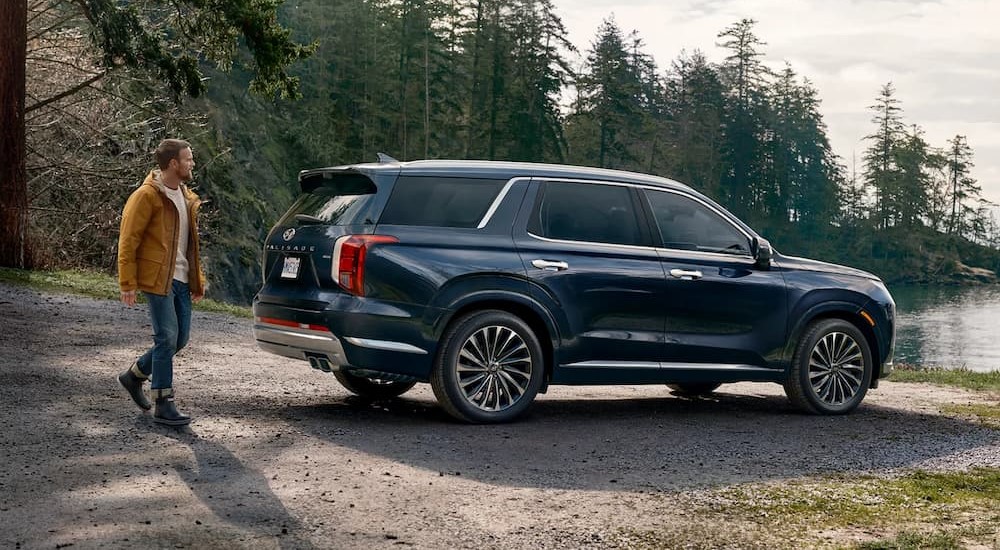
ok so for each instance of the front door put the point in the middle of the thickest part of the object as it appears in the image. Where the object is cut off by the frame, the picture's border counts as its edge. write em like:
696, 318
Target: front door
722, 312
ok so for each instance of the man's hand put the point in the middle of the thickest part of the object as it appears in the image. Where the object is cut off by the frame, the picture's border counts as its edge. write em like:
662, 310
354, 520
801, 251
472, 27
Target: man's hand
197, 297
128, 298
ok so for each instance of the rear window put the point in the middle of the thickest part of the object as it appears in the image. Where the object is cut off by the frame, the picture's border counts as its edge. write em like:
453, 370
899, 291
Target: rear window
440, 202
338, 200
587, 212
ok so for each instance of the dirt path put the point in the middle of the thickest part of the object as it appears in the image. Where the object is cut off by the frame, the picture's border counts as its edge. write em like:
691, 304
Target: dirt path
280, 456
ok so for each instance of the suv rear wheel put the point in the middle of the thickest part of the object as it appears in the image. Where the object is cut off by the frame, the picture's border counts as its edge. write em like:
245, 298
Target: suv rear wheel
373, 388
831, 370
489, 367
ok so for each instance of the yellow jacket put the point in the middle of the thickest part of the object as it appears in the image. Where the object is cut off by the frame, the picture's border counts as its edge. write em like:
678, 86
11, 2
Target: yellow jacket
147, 243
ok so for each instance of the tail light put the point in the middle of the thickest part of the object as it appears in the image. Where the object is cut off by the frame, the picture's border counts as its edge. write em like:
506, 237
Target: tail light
349, 260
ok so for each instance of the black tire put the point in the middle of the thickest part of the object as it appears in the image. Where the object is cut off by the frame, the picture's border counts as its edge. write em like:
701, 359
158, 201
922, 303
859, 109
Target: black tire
498, 375
372, 388
694, 388
831, 369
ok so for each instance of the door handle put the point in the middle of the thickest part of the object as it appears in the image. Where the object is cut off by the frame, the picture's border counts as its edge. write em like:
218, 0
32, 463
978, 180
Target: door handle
549, 265
685, 275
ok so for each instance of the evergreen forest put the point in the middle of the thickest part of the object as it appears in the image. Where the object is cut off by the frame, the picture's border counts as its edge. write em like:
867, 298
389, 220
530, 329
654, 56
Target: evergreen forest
338, 81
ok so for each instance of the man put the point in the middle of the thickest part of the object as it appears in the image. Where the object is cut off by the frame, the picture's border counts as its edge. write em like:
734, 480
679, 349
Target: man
158, 254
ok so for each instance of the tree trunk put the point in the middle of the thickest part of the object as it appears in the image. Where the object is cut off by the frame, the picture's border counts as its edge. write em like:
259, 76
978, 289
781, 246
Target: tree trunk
14, 250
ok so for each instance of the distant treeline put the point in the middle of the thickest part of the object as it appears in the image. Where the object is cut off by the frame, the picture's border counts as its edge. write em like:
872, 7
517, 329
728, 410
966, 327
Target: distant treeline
494, 79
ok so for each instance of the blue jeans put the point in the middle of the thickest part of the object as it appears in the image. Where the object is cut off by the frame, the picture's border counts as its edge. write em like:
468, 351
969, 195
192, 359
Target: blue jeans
171, 317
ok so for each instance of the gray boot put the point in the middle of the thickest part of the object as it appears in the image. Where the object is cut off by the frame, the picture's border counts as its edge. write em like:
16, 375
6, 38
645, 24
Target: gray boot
166, 412
132, 380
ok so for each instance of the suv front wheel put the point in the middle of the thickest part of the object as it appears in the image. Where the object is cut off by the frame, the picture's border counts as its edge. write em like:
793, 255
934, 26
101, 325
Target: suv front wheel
489, 368
831, 370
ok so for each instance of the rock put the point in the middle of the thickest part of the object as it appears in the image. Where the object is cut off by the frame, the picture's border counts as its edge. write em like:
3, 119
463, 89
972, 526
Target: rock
971, 274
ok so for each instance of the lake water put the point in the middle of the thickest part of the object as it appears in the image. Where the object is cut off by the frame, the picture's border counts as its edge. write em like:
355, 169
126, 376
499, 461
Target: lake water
948, 326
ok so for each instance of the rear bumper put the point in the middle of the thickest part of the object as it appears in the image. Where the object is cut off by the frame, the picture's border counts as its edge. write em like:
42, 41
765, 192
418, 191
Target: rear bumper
299, 343
350, 333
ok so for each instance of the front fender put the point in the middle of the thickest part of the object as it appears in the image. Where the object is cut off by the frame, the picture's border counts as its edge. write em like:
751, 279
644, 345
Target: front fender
807, 314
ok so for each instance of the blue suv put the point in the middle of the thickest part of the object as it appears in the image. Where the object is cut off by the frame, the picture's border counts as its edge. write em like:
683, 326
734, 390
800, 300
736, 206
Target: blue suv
493, 280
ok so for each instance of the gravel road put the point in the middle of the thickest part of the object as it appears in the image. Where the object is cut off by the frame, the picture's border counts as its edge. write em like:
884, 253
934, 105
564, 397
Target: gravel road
280, 456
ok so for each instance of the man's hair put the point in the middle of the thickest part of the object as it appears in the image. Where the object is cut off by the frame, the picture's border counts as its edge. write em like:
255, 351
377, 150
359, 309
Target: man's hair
168, 150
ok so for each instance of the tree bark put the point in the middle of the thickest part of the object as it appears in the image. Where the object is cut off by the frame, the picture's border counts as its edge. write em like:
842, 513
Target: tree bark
14, 249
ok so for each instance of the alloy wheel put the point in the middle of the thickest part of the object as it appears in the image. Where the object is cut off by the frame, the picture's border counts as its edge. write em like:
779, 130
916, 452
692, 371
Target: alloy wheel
836, 368
494, 368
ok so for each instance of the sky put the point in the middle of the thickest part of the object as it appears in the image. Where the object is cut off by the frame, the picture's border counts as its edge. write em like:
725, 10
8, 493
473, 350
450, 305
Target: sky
942, 57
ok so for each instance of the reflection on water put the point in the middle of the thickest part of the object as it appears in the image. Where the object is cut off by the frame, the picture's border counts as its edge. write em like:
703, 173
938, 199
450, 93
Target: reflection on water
948, 326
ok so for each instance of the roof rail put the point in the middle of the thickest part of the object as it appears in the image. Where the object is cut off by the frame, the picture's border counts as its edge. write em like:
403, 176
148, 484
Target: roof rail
386, 159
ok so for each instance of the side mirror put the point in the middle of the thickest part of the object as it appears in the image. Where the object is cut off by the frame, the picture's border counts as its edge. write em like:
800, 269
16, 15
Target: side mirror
762, 253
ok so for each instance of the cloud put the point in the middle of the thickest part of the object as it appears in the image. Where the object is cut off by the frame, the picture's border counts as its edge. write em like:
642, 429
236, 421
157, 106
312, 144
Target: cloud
943, 57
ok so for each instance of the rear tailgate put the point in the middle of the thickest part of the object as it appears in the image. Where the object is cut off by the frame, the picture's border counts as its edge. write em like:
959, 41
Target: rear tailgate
298, 252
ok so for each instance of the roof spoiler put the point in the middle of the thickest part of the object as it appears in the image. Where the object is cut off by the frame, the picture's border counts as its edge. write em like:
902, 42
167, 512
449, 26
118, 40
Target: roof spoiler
309, 180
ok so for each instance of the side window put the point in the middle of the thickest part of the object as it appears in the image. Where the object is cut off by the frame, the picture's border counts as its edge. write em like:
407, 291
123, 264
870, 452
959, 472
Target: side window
586, 212
440, 202
687, 224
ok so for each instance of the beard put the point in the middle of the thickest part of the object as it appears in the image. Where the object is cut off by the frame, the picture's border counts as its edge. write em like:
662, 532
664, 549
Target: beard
186, 176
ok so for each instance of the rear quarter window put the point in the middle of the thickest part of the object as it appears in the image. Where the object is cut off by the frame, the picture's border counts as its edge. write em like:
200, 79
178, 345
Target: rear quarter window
440, 202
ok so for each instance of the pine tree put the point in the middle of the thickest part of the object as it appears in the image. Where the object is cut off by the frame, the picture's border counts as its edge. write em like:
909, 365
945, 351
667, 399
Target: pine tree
961, 186
746, 181
694, 112
881, 174
14, 245
805, 169
612, 109
915, 162
539, 73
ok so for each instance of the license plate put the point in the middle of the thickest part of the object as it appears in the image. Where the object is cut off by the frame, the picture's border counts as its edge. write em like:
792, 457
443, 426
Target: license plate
291, 268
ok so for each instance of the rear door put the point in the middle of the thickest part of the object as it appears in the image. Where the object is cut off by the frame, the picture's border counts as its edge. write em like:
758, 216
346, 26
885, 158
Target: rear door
588, 257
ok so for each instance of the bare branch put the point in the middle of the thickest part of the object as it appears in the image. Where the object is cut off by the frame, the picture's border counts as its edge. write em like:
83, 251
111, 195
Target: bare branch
68, 92
59, 210
50, 28
36, 14
50, 60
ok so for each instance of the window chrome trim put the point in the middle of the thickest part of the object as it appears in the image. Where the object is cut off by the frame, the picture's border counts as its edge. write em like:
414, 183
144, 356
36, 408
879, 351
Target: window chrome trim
496, 202
594, 243
385, 345
711, 255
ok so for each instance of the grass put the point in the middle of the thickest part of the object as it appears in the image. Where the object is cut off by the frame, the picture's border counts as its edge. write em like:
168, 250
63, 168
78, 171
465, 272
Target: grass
915, 541
986, 413
958, 505
861, 500
962, 378
917, 510
97, 285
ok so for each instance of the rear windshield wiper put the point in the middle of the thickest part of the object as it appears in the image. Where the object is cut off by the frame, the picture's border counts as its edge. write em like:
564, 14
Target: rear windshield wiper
307, 219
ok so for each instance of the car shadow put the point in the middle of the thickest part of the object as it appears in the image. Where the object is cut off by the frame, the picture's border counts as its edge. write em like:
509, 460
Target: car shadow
648, 443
